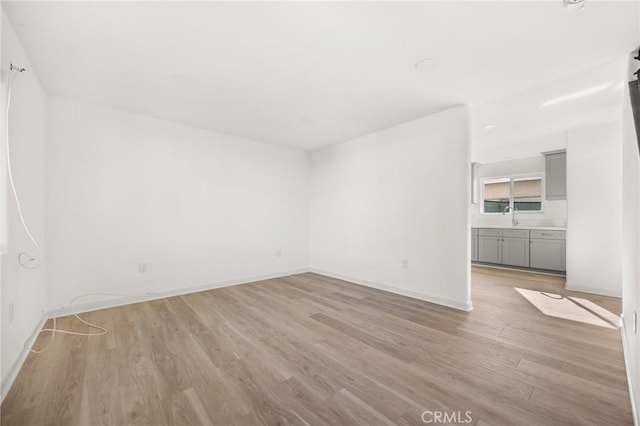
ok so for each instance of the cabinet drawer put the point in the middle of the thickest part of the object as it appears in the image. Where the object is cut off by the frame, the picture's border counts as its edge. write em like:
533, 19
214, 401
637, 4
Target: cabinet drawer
515, 233
489, 232
548, 235
474, 231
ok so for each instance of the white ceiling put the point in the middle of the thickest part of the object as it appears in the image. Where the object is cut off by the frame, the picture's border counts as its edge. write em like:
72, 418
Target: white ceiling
310, 74
536, 120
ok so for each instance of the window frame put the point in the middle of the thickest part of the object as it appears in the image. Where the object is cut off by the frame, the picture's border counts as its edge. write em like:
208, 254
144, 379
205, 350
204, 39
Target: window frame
512, 179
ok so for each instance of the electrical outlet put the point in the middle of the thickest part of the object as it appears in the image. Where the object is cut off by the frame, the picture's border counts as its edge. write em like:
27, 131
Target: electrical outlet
11, 312
635, 322
142, 267
405, 263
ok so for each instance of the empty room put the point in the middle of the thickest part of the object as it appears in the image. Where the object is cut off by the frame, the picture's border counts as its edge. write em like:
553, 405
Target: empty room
312, 213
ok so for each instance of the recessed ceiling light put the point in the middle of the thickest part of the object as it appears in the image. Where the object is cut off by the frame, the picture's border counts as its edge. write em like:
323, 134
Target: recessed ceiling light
490, 126
425, 64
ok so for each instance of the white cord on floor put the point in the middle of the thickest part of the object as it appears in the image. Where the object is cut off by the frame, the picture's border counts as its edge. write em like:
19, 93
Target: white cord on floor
55, 330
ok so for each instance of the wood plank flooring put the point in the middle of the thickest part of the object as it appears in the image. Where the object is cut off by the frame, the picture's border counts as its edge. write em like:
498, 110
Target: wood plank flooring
313, 350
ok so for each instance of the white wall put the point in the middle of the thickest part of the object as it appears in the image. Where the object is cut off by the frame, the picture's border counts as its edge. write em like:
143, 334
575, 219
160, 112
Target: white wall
401, 193
22, 287
554, 211
631, 242
200, 208
594, 209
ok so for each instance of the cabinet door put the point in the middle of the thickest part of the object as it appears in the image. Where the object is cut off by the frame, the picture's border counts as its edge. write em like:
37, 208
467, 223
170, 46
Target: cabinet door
490, 249
548, 254
474, 248
515, 251
556, 176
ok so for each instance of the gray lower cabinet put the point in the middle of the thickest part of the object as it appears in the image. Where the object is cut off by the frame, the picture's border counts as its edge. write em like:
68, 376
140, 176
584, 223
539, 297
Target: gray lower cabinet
515, 247
474, 248
515, 251
489, 249
538, 249
548, 250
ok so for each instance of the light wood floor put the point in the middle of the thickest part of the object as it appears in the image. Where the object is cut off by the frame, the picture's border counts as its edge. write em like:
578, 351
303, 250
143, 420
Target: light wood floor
308, 349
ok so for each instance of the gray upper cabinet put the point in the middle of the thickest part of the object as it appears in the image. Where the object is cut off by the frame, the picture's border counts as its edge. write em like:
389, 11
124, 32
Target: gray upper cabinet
556, 175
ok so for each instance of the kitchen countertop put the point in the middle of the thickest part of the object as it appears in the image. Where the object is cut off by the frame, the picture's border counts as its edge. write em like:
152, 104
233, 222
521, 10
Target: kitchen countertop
535, 228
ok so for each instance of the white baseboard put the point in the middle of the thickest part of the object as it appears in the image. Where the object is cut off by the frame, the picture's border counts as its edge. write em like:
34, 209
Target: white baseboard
463, 306
145, 297
16, 365
593, 290
627, 362
515, 269
12, 373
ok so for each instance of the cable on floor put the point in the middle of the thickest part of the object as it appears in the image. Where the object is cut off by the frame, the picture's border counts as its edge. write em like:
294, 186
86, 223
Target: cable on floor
55, 329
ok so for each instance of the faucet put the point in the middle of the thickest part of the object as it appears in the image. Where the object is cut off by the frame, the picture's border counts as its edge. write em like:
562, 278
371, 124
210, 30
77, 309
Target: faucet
513, 211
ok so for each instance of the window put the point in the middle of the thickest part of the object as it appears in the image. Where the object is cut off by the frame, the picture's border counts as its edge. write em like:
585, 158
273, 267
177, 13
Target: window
525, 194
497, 195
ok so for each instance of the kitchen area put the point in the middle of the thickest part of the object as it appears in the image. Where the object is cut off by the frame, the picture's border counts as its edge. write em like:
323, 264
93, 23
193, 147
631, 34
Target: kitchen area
546, 173
534, 237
